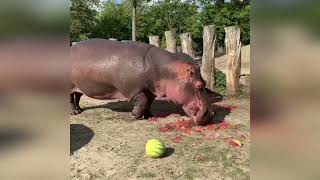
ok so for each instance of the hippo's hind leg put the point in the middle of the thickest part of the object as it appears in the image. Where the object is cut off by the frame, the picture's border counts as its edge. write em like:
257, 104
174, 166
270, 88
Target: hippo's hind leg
142, 103
77, 97
74, 103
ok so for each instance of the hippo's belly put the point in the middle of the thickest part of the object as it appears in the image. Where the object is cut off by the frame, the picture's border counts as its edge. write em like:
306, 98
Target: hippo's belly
112, 95
98, 90
106, 82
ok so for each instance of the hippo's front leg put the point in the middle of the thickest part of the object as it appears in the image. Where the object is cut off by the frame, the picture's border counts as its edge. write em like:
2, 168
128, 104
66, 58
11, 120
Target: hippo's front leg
142, 105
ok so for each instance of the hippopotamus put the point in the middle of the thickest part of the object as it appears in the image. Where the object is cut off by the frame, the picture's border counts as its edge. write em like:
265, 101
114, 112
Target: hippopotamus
139, 73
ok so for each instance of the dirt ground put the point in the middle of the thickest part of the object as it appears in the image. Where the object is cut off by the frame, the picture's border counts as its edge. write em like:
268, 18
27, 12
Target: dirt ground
106, 142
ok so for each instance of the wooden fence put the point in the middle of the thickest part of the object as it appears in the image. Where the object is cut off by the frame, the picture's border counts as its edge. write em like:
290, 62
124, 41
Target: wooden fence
233, 54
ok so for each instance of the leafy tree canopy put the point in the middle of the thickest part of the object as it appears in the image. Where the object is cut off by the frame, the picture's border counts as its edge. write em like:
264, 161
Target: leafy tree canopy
155, 17
114, 21
82, 18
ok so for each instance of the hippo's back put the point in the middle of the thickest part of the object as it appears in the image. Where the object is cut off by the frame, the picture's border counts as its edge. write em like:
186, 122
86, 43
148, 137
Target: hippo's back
94, 49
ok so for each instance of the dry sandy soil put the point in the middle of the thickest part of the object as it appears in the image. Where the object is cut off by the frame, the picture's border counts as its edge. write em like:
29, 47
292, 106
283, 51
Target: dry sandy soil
107, 143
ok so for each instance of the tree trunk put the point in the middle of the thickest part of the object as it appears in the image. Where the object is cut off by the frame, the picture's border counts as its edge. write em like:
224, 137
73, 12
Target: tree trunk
134, 7
154, 40
186, 44
208, 62
171, 41
233, 54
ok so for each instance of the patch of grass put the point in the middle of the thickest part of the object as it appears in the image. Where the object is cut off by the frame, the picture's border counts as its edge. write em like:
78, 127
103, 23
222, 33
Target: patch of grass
216, 154
230, 165
147, 175
189, 176
243, 92
221, 84
220, 79
236, 173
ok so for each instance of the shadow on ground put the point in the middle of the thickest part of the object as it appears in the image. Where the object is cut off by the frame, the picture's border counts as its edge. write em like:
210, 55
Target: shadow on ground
169, 152
219, 114
164, 107
212, 96
156, 107
13, 137
80, 135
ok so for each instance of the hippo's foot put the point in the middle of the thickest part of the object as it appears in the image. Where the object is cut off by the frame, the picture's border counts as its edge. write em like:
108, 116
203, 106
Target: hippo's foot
74, 103
137, 118
75, 112
144, 115
78, 109
141, 106
137, 113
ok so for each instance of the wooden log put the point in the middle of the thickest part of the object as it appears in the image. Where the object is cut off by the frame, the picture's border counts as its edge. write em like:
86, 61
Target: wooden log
208, 62
233, 54
186, 44
171, 41
154, 40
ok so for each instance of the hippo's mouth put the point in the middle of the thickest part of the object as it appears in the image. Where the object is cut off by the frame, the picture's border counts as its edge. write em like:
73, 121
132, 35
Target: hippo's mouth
206, 117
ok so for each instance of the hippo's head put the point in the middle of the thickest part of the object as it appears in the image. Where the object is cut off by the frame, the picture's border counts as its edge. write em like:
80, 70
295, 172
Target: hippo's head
188, 90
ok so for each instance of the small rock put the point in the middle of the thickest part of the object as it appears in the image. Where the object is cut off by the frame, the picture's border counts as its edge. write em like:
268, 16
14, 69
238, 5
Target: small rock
229, 156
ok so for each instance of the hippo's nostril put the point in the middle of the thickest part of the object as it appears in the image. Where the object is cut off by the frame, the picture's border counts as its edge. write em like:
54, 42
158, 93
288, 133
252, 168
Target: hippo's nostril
198, 85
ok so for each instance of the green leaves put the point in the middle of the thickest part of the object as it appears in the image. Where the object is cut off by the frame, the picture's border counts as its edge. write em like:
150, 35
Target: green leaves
224, 14
82, 18
156, 17
220, 79
114, 21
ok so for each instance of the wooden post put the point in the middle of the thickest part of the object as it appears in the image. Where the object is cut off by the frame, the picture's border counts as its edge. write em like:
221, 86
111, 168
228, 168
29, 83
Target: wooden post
171, 41
154, 40
186, 44
207, 69
233, 53
134, 10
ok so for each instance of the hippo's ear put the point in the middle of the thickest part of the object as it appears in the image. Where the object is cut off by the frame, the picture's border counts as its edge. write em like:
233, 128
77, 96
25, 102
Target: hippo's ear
183, 71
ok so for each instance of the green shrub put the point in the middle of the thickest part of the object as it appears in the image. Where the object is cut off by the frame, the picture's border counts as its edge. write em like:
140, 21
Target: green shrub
220, 79
221, 85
